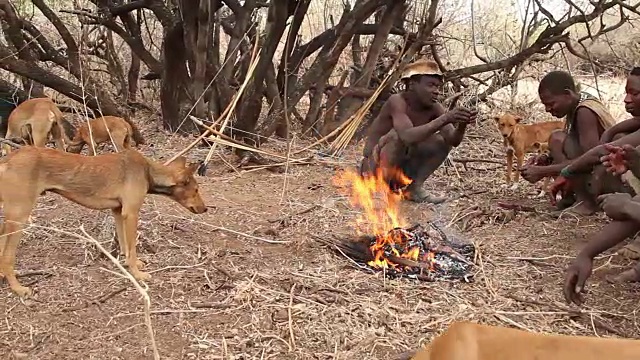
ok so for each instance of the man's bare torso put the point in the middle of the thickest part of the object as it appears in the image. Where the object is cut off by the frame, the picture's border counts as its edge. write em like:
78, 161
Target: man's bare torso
383, 123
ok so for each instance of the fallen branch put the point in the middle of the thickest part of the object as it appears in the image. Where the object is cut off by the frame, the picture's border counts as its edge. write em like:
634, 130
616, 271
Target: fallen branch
99, 300
11, 143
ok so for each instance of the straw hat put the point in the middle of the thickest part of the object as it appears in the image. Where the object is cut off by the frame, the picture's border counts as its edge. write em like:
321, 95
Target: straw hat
421, 67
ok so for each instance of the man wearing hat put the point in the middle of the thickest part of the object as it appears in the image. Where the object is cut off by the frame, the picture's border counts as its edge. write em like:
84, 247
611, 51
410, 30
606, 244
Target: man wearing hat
413, 132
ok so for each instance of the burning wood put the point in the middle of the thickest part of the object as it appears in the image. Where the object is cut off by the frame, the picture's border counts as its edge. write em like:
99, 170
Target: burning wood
418, 252
386, 243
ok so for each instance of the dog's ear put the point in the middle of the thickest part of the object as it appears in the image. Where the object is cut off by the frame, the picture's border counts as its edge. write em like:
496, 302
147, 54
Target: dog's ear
163, 176
192, 168
518, 119
180, 162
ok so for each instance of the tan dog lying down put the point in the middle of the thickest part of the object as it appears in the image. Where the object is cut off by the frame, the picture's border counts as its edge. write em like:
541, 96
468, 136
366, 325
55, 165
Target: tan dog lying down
115, 181
107, 129
471, 341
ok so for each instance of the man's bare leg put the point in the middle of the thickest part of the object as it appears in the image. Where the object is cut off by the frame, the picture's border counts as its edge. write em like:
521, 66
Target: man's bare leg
556, 149
586, 204
417, 163
632, 249
424, 160
627, 276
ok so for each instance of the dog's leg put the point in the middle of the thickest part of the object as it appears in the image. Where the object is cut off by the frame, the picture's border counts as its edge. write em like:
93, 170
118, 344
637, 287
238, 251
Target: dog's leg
130, 222
119, 141
56, 134
519, 162
117, 219
40, 136
15, 217
509, 164
124, 249
93, 147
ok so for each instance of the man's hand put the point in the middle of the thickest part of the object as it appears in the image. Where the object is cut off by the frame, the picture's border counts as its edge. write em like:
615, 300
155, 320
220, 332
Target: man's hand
561, 185
575, 277
460, 115
531, 173
614, 205
620, 159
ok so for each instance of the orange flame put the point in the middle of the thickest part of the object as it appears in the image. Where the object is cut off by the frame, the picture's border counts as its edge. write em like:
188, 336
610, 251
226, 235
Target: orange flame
378, 217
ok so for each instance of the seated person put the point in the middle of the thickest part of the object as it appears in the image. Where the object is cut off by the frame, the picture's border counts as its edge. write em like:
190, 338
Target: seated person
626, 132
586, 121
413, 132
625, 212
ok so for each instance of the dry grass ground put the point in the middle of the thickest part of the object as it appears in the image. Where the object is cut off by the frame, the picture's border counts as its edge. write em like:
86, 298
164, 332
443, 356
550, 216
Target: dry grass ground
224, 288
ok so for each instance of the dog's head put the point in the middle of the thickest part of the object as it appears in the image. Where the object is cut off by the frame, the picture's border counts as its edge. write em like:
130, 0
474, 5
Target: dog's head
541, 148
176, 181
506, 123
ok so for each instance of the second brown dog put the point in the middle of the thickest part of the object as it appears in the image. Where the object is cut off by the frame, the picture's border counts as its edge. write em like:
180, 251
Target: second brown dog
520, 139
106, 129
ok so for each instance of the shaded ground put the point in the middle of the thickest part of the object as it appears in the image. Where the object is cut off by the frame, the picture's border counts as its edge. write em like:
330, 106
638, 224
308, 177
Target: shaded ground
219, 295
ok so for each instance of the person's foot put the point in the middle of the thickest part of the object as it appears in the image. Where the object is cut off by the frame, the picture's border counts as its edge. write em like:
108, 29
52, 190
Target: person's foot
583, 208
628, 276
419, 195
566, 201
631, 250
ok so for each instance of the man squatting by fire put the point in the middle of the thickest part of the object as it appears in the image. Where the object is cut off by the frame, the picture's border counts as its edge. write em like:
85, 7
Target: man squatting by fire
617, 157
413, 132
587, 121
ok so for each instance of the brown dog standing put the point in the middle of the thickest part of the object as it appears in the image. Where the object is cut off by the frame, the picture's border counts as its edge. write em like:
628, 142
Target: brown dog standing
102, 130
35, 120
116, 181
519, 139
471, 341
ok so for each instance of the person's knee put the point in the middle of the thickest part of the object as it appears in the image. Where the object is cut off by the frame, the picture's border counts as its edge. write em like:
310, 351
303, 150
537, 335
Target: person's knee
433, 146
390, 150
556, 139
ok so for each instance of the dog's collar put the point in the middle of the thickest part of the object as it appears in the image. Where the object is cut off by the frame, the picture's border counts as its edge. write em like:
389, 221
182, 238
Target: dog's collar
160, 190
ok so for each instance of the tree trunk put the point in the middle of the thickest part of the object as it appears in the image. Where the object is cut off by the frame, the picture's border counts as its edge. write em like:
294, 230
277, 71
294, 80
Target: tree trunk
350, 105
287, 65
325, 62
173, 93
252, 103
202, 42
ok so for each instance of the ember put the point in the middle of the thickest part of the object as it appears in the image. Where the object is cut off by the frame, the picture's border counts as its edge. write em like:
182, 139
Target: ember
385, 243
420, 252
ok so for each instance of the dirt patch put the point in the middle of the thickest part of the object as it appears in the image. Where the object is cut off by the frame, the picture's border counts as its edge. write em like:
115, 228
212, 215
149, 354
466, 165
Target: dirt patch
222, 289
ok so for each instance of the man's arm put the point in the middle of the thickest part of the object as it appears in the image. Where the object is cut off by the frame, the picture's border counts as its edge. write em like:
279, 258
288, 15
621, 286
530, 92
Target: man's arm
452, 134
626, 126
611, 235
587, 123
408, 133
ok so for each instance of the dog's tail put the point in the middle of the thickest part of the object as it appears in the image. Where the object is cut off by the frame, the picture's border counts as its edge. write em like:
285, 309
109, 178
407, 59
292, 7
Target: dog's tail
68, 130
133, 134
136, 135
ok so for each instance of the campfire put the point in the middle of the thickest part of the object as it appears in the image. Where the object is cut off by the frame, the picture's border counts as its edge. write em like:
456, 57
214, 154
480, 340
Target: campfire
385, 242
